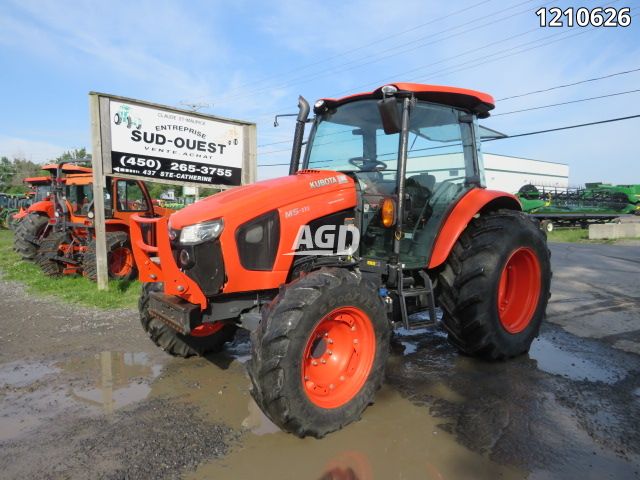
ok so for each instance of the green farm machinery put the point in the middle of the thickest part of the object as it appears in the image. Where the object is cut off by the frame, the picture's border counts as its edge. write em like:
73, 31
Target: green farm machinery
10, 204
566, 206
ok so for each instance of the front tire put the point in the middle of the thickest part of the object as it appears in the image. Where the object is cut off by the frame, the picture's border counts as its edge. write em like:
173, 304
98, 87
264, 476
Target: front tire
28, 233
120, 262
173, 342
319, 352
495, 286
51, 247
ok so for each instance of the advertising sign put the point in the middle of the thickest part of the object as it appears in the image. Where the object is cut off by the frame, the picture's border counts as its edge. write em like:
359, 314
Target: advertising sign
171, 145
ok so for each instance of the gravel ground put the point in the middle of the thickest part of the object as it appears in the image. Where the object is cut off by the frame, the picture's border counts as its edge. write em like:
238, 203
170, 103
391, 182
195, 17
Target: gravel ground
85, 394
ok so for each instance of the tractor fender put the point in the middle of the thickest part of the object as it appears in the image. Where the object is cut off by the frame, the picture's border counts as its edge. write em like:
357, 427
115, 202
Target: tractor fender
43, 206
478, 200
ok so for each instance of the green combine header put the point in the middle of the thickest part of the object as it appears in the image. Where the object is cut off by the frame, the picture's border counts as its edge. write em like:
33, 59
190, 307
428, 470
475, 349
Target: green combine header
593, 203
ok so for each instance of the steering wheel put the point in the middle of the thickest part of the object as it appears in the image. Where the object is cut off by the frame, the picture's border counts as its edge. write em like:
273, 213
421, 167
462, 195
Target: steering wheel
359, 163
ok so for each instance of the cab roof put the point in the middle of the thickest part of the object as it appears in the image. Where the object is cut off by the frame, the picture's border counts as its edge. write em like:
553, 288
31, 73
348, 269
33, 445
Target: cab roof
471, 100
37, 180
67, 168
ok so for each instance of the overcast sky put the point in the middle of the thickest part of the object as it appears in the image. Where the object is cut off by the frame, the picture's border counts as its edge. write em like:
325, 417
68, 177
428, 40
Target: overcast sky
251, 60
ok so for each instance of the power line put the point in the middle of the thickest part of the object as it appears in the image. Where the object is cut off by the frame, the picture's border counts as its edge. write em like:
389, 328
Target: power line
579, 82
361, 47
569, 84
564, 35
619, 119
566, 103
526, 134
273, 164
341, 68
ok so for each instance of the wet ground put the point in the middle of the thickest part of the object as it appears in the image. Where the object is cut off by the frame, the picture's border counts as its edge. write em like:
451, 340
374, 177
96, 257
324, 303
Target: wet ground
84, 394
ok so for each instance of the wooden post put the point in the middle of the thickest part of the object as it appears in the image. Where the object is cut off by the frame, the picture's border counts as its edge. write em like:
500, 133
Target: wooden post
99, 107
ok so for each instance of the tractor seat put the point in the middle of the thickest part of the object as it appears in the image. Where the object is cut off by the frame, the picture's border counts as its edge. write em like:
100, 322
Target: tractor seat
424, 179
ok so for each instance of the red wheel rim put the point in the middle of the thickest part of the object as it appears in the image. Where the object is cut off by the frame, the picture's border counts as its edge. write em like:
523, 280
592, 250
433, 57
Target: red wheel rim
519, 290
121, 262
206, 329
338, 357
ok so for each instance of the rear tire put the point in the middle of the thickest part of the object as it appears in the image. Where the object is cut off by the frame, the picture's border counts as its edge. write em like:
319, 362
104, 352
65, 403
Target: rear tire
292, 335
29, 231
173, 342
120, 262
495, 285
49, 247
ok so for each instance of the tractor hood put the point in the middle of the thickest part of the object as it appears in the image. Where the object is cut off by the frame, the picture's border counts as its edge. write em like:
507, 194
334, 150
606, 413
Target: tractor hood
252, 200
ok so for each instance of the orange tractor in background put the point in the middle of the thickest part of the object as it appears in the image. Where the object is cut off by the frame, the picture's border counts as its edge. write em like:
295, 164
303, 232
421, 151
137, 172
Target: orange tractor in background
70, 247
34, 221
385, 222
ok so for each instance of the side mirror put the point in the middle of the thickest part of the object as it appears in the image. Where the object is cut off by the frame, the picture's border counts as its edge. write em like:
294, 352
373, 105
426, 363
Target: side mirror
390, 115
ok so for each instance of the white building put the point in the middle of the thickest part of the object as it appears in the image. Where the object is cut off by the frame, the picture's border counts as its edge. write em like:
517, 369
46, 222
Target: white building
509, 174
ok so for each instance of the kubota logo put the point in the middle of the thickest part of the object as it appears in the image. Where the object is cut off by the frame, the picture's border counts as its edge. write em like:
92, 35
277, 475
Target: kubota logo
327, 240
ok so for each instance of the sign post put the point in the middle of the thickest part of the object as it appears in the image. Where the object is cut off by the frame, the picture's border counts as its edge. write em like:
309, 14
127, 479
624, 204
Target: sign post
98, 150
146, 141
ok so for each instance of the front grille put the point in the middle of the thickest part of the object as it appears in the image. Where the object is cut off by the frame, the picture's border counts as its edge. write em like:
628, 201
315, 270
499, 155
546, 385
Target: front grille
206, 267
258, 241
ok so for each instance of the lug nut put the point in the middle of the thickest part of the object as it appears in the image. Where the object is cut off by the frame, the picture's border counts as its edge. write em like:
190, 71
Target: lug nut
329, 352
153, 276
353, 329
330, 341
306, 377
355, 341
342, 378
314, 363
332, 386
323, 361
180, 288
326, 334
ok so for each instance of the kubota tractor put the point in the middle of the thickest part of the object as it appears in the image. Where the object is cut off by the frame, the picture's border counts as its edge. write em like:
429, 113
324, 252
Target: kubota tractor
35, 220
386, 217
70, 248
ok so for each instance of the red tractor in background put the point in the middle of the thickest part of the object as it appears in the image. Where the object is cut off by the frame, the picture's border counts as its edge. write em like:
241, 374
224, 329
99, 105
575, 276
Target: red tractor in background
40, 189
386, 220
70, 247
34, 221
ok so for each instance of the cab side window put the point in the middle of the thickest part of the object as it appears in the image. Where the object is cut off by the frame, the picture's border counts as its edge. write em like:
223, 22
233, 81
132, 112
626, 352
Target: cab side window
130, 197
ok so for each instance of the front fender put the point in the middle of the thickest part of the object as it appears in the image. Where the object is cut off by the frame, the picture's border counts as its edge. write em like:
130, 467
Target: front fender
475, 201
43, 206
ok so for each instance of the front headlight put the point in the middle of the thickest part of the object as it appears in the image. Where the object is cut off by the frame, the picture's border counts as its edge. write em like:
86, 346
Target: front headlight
201, 232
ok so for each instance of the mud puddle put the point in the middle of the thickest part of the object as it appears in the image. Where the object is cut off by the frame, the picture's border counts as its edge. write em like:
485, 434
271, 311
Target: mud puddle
33, 392
554, 359
556, 413
394, 439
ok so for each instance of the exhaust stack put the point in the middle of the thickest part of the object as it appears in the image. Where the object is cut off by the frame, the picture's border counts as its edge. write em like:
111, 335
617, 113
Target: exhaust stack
303, 115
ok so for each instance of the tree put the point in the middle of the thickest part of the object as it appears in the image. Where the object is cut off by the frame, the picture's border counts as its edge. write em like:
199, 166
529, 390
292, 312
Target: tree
75, 155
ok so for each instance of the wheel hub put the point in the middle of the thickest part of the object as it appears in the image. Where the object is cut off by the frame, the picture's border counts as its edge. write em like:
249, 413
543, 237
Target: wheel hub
519, 290
338, 357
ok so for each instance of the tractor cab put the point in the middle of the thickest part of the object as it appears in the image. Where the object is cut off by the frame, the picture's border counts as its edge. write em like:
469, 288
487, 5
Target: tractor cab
415, 142
40, 188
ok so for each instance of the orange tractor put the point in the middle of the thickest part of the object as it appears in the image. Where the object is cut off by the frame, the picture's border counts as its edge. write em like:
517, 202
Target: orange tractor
70, 247
34, 221
384, 222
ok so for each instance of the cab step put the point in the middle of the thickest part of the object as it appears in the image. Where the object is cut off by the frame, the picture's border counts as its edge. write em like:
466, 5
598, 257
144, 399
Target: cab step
425, 289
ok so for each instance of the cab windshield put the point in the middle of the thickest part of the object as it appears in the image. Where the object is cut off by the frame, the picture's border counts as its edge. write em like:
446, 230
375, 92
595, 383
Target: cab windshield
351, 139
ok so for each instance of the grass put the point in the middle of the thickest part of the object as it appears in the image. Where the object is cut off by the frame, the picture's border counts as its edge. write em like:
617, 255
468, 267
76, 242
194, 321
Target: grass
571, 235
576, 235
70, 288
